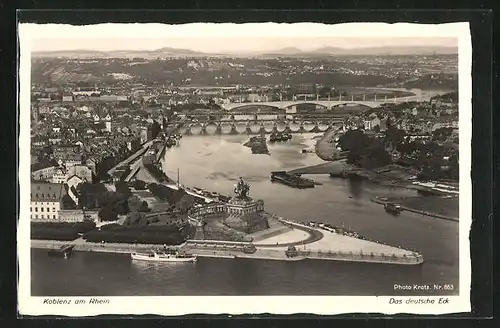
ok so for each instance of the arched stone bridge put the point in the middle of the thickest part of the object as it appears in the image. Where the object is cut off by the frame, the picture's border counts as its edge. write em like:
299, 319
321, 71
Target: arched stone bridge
256, 127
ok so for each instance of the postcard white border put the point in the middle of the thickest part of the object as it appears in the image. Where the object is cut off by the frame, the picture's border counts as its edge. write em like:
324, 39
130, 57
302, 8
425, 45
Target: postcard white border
234, 305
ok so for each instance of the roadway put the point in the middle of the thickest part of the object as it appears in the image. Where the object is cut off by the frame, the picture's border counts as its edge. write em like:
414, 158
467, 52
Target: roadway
144, 175
127, 161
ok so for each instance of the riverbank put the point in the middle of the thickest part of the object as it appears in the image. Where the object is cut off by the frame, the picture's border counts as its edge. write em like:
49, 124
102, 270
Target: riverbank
311, 244
326, 148
437, 207
258, 145
85, 246
389, 176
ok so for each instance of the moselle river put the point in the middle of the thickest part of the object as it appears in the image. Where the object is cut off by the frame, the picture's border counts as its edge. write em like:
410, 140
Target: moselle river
215, 163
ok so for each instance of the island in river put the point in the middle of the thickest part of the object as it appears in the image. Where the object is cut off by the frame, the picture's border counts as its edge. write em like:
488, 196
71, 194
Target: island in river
258, 145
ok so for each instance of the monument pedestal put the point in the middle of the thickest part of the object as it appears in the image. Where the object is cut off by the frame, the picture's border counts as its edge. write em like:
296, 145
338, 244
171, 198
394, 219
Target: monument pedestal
242, 206
245, 215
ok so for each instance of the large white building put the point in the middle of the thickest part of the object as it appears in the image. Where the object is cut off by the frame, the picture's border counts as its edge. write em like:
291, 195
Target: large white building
59, 175
42, 171
46, 201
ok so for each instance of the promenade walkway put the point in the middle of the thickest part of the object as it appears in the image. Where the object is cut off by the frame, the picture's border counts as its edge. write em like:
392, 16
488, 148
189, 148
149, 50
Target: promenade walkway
324, 242
81, 245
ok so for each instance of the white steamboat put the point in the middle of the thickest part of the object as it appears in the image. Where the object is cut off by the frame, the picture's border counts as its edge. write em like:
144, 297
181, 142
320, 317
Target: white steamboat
155, 256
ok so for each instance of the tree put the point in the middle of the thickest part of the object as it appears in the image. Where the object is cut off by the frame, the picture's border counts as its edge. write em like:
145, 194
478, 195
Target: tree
454, 166
144, 207
442, 134
135, 218
68, 203
325, 92
185, 203
375, 157
395, 135
91, 195
134, 203
106, 213
354, 140
408, 148
376, 128
122, 190
155, 129
120, 207
139, 185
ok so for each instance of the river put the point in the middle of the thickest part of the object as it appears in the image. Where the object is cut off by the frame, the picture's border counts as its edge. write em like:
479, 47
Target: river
215, 163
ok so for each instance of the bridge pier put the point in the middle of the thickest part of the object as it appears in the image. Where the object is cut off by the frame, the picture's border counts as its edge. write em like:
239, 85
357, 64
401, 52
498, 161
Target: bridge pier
287, 128
188, 131
316, 128
218, 130
233, 130
203, 129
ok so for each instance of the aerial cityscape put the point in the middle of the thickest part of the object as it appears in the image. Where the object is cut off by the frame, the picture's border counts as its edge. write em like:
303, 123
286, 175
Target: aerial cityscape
301, 170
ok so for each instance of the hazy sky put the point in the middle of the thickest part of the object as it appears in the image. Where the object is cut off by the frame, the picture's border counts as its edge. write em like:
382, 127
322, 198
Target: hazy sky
230, 45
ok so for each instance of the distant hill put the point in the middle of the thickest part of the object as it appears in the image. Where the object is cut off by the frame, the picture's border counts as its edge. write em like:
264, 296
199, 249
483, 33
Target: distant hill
162, 52
336, 51
289, 51
70, 53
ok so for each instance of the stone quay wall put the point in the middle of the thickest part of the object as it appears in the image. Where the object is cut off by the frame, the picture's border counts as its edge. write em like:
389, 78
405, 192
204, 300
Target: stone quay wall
377, 200
363, 257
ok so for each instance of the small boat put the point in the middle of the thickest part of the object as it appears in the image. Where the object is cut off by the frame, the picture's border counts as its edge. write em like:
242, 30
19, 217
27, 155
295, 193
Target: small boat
292, 180
393, 208
155, 256
64, 251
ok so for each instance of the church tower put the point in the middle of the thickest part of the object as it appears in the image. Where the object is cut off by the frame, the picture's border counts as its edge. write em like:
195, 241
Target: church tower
108, 123
36, 113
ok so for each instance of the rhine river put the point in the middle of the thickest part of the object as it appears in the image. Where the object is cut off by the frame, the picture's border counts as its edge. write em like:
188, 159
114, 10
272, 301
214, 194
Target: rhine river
215, 163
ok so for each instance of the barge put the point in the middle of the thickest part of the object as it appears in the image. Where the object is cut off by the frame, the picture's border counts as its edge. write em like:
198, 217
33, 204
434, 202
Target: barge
279, 137
292, 180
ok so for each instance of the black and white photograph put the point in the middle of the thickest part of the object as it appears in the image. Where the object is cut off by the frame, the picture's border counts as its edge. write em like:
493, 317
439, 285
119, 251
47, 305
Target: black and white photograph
244, 168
